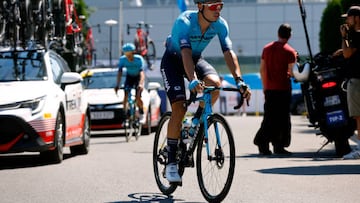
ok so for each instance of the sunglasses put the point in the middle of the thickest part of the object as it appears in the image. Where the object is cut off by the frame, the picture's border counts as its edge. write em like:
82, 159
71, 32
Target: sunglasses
215, 6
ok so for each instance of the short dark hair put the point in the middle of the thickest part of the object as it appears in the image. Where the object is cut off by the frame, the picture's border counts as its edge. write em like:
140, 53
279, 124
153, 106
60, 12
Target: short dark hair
284, 31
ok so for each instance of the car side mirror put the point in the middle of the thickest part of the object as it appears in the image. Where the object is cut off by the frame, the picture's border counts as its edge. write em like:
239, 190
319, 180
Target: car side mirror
69, 78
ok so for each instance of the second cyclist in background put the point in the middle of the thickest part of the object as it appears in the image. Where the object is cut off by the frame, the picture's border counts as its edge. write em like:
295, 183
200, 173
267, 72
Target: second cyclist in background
191, 33
135, 76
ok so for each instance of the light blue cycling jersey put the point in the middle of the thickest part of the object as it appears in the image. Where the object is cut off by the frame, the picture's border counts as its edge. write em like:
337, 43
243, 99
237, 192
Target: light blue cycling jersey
186, 33
133, 68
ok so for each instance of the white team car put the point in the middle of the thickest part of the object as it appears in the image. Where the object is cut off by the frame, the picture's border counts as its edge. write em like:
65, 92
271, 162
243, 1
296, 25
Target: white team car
42, 107
107, 109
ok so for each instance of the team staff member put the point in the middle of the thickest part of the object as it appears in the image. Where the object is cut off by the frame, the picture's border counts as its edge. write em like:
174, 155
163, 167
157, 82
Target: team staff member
350, 33
277, 60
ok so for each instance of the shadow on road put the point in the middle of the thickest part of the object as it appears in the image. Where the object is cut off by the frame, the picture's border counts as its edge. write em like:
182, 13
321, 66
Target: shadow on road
314, 170
14, 161
150, 197
323, 155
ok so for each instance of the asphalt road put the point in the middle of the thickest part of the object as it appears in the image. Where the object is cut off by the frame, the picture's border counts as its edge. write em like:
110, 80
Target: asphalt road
116, 171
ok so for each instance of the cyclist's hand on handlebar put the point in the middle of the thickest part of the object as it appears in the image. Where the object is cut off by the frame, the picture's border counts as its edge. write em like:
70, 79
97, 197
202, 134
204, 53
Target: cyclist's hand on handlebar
196, 86
244, 90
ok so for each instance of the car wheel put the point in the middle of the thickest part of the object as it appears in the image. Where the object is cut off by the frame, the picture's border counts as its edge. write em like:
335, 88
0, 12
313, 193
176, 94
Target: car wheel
84, 147
147, 130
56, 155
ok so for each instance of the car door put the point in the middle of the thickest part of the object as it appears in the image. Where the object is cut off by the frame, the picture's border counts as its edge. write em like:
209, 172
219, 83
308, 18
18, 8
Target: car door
73, 92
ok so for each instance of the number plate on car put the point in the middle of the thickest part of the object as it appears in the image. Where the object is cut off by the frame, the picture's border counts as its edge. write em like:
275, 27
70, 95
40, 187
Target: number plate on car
102, 115
335, 118
332, 100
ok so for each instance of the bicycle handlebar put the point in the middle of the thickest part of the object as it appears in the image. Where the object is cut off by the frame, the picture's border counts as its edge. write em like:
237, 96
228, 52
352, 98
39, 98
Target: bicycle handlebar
207, 89
139, 26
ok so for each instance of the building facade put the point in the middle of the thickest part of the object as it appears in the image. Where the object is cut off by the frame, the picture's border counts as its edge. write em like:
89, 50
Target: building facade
252, 24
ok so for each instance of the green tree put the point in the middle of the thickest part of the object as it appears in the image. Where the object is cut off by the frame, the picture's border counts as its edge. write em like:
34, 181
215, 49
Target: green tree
82, 8
330, 37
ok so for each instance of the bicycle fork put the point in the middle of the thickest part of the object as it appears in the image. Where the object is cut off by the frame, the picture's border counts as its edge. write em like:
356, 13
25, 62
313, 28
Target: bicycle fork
219, 155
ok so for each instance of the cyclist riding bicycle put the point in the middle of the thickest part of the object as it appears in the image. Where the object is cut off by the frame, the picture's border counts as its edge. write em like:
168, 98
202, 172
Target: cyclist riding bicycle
135, 76
191, 33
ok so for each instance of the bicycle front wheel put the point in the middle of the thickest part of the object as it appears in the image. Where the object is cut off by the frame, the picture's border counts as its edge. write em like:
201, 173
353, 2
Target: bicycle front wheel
160, 156
130, 122
137, 128
215, 170
128, 129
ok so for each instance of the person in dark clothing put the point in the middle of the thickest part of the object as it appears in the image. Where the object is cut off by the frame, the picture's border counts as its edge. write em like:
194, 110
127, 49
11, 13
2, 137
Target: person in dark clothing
277, 60
350, 32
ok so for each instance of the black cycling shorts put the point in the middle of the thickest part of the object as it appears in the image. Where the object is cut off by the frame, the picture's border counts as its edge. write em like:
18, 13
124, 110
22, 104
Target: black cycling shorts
131, 81
173, 73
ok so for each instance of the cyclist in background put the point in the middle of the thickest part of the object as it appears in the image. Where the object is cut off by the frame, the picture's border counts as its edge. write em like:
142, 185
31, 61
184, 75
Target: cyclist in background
135, 76
191, 33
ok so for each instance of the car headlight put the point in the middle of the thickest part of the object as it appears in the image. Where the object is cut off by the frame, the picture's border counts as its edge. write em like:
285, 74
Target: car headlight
35, 105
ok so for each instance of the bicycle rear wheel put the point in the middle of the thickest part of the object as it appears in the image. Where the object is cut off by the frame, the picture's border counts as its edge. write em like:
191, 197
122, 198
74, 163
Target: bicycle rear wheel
160, 156
151, 54
26, 25
59, 14
2, 24
215, 174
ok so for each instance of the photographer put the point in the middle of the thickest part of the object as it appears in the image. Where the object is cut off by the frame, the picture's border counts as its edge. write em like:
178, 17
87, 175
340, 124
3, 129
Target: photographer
350, 32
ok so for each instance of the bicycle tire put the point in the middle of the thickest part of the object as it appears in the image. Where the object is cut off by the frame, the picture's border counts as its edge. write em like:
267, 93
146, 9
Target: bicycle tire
59, 17
12, 27
137, 128
2, 24
213, 185
160, 156
128, 130
40, 28
151, 53
26, 25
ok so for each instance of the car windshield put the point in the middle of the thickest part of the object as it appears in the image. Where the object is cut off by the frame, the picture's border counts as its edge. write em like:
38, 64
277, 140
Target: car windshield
22, 66
99, 80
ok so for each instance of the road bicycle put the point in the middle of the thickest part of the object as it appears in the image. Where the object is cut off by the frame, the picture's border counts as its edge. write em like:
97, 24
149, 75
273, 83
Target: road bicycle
132, 123
144, 44
215, 151
68, 34
44, 22
15, 22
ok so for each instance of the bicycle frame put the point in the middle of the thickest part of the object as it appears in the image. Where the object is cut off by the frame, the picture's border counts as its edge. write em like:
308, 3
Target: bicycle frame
133, 126
207, 98
71, 17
